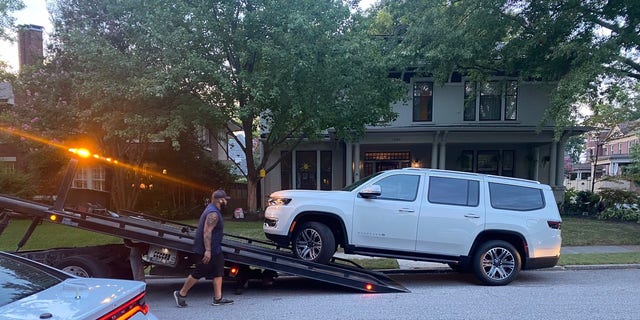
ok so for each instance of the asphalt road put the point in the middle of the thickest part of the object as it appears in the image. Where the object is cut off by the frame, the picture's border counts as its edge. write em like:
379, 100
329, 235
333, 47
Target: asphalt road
542, 294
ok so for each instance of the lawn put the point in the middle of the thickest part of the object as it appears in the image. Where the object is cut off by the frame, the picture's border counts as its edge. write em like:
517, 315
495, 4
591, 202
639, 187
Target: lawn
575, 232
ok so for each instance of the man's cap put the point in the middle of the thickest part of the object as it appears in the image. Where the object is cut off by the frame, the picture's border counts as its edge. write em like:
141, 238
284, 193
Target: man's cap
220, 194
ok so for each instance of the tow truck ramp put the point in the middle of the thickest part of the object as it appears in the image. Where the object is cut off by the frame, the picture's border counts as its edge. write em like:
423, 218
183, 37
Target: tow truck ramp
163, 236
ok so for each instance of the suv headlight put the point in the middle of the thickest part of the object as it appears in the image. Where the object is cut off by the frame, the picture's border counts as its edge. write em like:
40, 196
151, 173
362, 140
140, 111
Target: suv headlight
278, 201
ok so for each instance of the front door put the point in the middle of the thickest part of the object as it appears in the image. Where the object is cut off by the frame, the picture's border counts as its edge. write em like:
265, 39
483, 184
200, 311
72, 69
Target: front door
389, 221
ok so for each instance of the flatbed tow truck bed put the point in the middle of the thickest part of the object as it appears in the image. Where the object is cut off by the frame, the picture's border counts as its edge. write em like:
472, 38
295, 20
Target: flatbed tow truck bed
169, 244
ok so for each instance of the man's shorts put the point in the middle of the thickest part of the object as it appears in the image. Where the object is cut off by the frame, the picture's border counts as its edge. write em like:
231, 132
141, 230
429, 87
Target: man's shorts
213, 269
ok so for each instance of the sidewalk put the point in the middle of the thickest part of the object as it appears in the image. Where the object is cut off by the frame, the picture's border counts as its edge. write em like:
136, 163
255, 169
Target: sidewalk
410, 264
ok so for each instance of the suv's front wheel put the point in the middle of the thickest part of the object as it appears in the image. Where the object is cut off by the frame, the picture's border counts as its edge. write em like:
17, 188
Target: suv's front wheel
496, 263
314, 241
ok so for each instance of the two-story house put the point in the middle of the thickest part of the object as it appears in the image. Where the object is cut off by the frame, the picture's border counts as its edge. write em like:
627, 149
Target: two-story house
491, 127
608, 152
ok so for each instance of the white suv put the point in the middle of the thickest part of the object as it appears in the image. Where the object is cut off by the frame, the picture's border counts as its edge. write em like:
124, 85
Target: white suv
493, 226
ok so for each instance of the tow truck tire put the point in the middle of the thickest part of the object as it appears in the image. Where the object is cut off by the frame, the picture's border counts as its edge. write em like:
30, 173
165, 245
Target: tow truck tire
314, 241
83, 266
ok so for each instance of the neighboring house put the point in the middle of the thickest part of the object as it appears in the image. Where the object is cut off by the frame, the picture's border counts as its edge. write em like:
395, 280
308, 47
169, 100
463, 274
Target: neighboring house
491, 127
608, 153
9, 154
30, 52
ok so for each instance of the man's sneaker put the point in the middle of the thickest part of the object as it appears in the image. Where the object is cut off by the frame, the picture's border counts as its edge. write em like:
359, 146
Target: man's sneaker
180, 300
221, 301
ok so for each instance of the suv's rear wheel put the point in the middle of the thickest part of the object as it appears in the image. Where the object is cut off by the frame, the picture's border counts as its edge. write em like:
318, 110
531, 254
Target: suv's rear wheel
496, 263
314, 241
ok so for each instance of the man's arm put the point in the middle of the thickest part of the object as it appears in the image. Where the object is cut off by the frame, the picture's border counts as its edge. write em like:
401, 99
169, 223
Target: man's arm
209, 224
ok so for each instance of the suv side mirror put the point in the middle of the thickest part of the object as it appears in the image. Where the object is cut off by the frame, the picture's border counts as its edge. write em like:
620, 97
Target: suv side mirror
371, 191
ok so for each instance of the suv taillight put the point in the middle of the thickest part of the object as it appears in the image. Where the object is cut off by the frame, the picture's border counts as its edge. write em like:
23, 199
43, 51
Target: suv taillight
555, 224
129, 309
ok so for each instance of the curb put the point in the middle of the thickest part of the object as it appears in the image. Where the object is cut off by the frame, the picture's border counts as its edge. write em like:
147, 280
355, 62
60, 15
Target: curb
446, 269
599, 266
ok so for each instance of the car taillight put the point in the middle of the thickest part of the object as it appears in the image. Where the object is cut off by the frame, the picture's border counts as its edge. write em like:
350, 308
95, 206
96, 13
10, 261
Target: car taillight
129, 309
555, 224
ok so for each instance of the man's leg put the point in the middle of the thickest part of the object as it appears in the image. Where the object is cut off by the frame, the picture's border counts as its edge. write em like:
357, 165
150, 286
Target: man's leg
180, 295
217, 288
188, 284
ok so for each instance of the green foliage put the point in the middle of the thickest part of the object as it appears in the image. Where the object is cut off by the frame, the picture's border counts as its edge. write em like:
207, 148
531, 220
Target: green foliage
248, 65
16, 184
608, 204
556, 41
7, 7
617, 197
46, 166
583, 203
632, 171
621, 213
574, 147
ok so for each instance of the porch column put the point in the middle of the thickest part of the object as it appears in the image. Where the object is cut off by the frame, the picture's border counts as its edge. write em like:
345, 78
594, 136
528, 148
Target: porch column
553, 164
443, 155
294, 178
356, 162
536, 163
348, 177
560, 166
434, 151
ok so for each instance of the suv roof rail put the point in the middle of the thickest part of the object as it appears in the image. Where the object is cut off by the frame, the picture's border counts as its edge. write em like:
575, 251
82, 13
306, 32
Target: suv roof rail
473, 174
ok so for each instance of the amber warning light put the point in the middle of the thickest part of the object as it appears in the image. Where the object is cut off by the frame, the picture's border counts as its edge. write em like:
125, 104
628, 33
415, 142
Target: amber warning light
81, 152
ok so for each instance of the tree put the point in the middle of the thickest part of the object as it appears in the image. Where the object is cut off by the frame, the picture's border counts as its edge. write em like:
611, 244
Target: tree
98, 91
284, 70
7, 7
576, 45
574, 147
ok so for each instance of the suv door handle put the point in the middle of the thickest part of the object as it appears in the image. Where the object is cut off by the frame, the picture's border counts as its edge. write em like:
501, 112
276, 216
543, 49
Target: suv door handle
406, 210
472, 215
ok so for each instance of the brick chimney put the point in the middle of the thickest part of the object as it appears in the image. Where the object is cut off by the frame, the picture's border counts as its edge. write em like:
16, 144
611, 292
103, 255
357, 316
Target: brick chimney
30, 47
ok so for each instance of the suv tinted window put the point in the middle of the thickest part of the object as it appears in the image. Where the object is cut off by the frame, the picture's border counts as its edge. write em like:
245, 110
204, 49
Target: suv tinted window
399, 187
459, 192
508, 197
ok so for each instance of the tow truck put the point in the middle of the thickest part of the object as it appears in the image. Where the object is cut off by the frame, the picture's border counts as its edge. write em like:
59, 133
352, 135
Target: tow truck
165, 246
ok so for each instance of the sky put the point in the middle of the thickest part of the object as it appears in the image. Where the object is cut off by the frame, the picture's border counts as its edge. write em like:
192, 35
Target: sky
36, 13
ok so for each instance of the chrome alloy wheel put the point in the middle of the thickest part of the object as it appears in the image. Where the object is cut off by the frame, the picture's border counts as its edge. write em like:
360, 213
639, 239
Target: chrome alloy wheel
498, 263
308, 244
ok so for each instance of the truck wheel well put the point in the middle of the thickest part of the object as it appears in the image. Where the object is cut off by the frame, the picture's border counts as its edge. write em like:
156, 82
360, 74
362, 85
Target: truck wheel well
334, 223
515, 239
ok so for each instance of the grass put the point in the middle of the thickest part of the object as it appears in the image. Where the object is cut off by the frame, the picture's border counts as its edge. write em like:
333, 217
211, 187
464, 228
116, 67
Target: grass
599, 258
588, 232
575, 232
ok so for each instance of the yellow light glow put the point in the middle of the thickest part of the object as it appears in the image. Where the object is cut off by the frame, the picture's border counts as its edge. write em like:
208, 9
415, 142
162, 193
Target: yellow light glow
81, 152
85, 153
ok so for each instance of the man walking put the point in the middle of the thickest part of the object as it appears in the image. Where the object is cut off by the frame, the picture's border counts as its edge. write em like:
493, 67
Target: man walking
208, 244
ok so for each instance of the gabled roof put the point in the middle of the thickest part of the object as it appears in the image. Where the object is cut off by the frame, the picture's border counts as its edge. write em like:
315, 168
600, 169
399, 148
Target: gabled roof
624, 129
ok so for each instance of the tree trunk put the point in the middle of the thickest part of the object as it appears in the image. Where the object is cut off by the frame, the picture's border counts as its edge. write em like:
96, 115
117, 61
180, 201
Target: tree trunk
252, 197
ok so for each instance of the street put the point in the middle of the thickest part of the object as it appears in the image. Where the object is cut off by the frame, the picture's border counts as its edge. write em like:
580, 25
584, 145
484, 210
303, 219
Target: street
543, 294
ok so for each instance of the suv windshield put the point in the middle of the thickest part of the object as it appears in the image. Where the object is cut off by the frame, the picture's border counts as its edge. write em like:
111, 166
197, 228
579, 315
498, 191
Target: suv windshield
360, 182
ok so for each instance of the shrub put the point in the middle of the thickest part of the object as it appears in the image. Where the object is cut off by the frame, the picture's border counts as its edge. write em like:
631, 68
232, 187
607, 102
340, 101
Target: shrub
584, 203
616, 198
621, 213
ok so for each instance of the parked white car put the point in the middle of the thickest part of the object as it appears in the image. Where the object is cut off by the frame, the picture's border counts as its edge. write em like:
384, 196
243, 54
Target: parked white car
494, 226
31, 290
